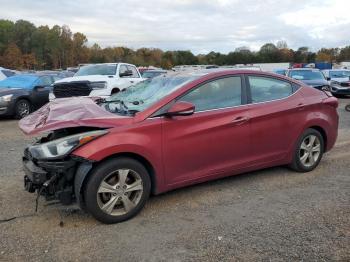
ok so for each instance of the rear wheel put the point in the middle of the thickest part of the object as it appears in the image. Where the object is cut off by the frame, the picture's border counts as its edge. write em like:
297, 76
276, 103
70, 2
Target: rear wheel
117, 190
308, 152
22, 108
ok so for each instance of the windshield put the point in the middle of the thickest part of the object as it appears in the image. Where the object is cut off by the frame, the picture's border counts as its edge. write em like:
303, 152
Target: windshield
7, 73
339, 74
103, 69
306, 75
19, 81
144, 94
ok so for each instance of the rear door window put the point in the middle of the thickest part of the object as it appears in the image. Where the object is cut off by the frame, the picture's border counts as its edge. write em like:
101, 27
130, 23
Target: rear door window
265, 89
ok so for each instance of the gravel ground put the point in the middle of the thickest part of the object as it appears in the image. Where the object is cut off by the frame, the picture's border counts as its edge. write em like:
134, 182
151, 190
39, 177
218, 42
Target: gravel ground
269, 215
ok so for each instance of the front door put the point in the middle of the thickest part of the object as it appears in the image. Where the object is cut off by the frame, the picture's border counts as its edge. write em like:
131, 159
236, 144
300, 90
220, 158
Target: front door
40, 93
215, 139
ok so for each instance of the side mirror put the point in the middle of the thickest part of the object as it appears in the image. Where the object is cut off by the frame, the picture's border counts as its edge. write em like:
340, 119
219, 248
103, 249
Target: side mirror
328, 78
126, 73
181, 108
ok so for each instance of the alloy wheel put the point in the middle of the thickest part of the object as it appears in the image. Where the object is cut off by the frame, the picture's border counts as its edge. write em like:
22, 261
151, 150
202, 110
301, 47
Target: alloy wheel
23, 109
120, 192
310, 150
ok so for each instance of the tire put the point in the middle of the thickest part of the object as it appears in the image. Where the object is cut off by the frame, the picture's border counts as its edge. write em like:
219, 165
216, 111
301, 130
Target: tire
308, 152
108, 198
115, 90
22, 108
347, 107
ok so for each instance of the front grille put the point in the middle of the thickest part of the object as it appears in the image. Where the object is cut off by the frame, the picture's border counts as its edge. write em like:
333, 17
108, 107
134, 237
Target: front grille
62, 90
345, 84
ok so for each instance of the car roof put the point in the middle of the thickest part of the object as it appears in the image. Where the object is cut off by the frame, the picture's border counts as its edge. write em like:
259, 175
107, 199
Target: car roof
305, 69
196, 74
155, 70
339, 69
34, 74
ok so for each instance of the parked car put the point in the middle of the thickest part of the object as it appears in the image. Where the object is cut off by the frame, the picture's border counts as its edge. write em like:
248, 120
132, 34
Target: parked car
59, 73
153, 73
177, 130
310, 76
97, 80
4, 73
22, 94
339, 81
280, 71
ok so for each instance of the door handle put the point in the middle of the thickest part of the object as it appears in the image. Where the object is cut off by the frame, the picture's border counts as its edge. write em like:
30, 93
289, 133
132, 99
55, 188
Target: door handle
300, 106
240, 120
131, 82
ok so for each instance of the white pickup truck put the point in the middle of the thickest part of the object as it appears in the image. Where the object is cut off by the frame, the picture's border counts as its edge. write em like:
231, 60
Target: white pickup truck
97, 80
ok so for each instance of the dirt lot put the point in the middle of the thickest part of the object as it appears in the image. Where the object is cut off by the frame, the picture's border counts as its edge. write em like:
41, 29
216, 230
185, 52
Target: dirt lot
269, 215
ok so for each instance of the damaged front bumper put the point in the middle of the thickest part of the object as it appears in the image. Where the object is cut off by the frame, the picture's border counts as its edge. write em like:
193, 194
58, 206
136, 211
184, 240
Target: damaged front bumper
60, 179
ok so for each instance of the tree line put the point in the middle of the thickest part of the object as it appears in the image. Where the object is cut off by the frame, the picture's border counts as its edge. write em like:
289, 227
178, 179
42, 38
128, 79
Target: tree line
25, 46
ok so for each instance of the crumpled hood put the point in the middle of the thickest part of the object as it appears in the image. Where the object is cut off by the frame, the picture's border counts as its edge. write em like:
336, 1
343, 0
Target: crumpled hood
70, 112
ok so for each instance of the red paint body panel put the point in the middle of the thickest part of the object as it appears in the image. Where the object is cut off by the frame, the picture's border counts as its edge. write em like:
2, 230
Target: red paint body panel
184, 150
205, 143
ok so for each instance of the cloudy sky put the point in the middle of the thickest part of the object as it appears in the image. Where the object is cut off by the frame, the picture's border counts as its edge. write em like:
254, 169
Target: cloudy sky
197, 25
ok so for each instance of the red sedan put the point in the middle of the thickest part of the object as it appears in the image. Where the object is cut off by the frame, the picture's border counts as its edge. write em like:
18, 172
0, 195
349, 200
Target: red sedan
172, 131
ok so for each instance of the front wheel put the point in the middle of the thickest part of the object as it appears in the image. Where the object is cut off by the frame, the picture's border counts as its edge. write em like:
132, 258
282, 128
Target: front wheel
117, 190
22, 108
308, 152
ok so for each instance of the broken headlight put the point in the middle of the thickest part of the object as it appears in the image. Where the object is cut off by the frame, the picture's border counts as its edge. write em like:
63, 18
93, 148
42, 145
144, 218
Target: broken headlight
63, 146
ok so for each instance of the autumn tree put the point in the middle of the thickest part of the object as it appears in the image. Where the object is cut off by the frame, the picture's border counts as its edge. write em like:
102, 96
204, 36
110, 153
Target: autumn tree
23, 45
12, 57
29, 61
80, 50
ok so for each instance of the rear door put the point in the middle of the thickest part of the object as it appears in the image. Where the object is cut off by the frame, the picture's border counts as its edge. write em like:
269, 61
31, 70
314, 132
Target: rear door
276, 108
215, 139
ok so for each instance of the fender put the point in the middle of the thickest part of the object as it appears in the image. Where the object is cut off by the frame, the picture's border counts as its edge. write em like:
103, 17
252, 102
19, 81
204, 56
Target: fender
128, 142
316, 120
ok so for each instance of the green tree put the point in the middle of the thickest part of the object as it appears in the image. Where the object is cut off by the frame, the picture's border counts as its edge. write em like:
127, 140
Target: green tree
23, 31
6, 34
